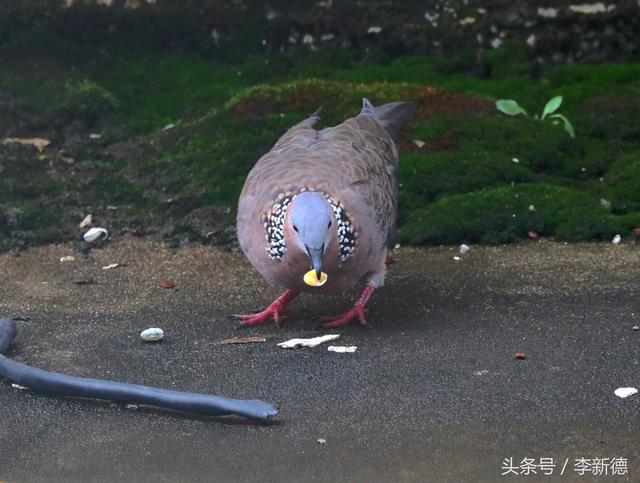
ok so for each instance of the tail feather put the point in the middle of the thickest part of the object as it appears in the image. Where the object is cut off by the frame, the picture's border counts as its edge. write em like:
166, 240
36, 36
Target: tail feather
392, 116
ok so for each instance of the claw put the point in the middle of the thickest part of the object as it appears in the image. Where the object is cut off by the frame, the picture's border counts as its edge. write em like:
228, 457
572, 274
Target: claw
357, 311
275, 310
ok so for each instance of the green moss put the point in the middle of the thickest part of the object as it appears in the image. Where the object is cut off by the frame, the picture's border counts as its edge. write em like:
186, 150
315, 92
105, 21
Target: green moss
157, 89
502, 214
538, 145
116, 189
82, 99
623, 184
425, 178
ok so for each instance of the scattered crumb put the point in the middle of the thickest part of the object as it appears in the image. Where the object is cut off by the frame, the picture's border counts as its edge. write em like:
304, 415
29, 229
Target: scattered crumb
342, 349
481, 372
290, 344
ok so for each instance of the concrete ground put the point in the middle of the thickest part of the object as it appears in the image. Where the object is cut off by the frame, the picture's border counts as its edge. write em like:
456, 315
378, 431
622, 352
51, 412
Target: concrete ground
434, 392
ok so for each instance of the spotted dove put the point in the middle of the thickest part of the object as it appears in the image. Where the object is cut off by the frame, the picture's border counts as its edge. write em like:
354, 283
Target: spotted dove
326, 200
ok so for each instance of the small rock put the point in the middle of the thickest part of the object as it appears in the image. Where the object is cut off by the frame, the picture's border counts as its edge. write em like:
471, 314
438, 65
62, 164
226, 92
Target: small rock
532, 208
95, 136
464, 248
515, 160
396, 246
321, 441
419, 143
636, 327
153, 334
166, 283
94, 234
625, 391
616, 240
67, 258
457, 258
534, 235
520, 356
374, 29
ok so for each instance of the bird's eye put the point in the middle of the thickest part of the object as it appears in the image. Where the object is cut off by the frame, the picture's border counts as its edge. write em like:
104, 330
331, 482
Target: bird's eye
295, 228
329, 225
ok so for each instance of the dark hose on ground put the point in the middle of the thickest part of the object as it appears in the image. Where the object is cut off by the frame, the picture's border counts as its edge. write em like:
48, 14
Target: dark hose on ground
64, 385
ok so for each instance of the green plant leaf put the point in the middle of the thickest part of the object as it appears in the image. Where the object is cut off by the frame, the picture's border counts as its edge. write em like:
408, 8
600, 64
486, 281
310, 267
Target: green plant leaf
509, 107
567, 125
552, 106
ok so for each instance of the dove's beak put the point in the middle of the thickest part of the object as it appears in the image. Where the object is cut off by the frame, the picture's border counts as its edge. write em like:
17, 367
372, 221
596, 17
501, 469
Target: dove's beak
315, 254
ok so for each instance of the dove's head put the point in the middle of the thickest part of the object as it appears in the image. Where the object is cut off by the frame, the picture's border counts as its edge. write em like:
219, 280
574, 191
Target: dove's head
309, 227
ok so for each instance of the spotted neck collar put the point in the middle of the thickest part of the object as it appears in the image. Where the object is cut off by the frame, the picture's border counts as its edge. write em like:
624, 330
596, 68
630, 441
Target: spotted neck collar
274, 227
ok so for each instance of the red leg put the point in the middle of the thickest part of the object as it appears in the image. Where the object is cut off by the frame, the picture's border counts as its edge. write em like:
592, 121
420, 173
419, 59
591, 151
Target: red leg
275, 310
358, 311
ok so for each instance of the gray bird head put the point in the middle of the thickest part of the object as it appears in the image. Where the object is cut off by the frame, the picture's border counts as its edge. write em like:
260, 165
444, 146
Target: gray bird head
311, 219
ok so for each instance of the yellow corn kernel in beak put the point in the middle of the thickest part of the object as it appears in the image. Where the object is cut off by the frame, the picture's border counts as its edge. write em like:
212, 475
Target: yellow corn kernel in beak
311, 279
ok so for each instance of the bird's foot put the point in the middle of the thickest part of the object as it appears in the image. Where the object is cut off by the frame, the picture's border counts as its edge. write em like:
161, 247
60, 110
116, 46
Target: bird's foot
275, 310
357, 311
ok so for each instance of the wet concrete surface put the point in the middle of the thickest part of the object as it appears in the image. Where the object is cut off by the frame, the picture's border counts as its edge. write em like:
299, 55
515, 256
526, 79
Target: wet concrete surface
432, 394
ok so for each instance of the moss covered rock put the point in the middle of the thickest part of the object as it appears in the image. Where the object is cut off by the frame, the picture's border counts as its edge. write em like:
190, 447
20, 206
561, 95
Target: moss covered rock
503, 214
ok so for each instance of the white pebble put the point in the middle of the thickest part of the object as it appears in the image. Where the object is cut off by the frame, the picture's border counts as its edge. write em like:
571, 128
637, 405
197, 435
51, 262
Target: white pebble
321, 441
152, 334
92, 234
464, 248
67, 258
625, 391
616, 240
457, 258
